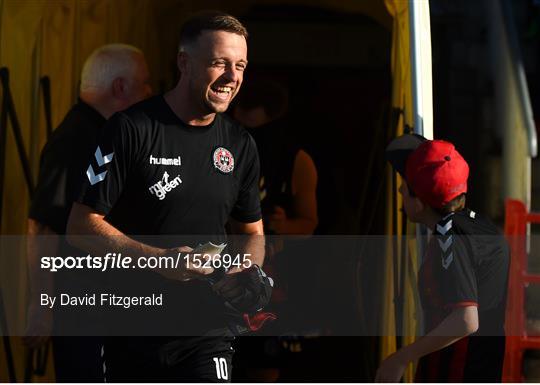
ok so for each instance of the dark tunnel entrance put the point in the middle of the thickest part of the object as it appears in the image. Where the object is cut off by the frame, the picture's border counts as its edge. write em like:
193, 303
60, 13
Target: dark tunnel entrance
336, 67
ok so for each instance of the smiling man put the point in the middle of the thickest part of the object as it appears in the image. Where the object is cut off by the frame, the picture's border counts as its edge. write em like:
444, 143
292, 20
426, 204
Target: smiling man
212, 64
207, 175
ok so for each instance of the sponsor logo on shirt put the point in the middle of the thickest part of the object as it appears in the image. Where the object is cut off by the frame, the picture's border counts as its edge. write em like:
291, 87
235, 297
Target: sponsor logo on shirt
161, 188
165, 161
223, 160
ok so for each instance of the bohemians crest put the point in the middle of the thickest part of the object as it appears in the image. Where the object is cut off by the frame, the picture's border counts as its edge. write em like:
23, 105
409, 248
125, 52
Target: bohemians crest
223, 160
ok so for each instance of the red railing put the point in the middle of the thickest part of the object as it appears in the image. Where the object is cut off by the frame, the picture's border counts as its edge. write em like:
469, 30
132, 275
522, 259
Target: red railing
517, 341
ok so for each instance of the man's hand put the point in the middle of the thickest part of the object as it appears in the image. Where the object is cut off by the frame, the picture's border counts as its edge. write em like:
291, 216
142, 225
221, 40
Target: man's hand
190, 267
229, 286
247, 291
39, 325
391, 369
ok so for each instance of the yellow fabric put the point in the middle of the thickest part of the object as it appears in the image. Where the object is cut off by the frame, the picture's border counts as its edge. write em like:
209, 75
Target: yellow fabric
388, 325
400, 60
411, 310
401, 101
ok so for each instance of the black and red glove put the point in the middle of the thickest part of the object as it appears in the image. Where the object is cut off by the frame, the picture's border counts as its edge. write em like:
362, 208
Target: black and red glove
248, 291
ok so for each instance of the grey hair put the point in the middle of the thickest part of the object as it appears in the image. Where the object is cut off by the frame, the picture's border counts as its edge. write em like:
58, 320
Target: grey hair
107, 63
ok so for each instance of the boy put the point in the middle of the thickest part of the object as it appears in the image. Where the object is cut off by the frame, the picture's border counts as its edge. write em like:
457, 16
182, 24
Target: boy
464, 274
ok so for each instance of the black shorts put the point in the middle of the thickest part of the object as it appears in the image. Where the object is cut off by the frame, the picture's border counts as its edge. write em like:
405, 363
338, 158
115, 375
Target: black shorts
182, 359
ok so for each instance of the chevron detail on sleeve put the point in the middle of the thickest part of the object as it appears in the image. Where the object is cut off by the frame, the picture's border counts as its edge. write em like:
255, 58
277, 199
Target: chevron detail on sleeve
445, 239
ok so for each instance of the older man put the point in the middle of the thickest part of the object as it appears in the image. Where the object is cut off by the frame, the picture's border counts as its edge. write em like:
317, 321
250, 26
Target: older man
114, 77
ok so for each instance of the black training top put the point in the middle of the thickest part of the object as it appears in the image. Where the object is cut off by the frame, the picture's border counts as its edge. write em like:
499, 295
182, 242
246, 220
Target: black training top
64, 156
466, 264
152, 174
169, 184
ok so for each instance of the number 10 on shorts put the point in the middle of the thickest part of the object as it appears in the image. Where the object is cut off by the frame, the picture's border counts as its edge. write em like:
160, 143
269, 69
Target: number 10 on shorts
221, 368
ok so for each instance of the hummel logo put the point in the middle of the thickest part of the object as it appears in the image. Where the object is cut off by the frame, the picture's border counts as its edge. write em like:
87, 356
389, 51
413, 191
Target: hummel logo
447, 261
101, 160
161, 188
445, 245
92, 177
166, 161
444, 229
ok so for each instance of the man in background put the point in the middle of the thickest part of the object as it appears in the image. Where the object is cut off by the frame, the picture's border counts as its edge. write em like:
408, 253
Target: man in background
114, 77
288, 193
288, 174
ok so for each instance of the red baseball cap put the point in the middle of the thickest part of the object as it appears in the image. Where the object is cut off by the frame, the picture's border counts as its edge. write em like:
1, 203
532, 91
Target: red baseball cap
434, 170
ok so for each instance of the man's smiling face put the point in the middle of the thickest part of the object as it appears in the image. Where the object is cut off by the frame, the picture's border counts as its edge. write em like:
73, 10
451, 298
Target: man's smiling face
215, 69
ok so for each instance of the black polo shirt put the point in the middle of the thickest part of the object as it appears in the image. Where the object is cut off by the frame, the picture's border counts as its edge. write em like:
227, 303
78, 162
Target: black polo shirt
466, 264
62, 159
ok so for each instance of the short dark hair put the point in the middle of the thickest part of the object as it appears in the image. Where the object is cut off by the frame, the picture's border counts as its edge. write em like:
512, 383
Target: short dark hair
456, 204
209, 21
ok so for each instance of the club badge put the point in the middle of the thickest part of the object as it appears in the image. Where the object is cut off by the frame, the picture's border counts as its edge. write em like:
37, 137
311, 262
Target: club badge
223, 160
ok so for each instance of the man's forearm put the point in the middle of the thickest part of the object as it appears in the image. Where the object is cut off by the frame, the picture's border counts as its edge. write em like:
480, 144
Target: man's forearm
91, 233
425, 345
251, 239
254, 246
